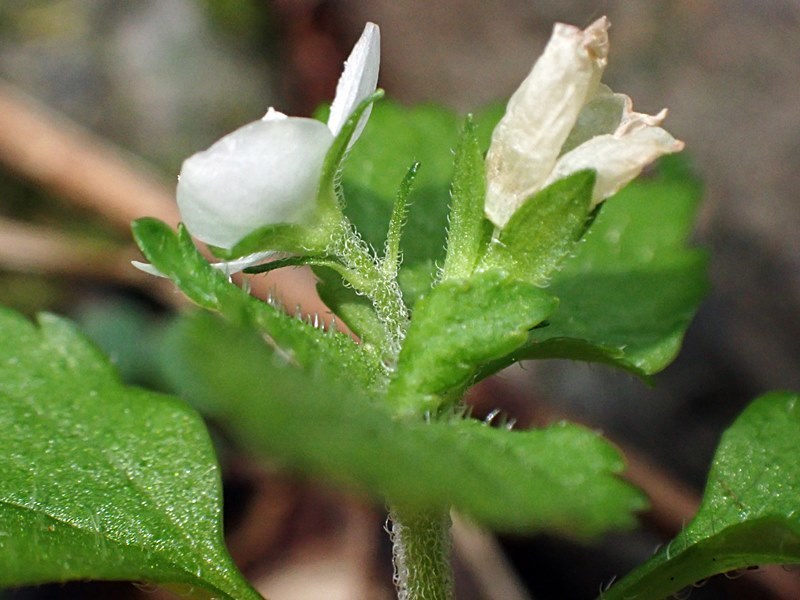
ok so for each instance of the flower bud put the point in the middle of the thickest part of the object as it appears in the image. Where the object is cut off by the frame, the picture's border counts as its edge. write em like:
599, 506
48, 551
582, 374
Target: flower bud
562, 120
264, 173
268, 172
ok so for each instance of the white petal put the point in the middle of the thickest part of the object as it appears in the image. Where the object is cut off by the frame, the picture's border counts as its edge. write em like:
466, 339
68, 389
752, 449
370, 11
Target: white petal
602, 114
273, 115
147, 268
264, 173
228, 267
240, 264
358, 81
540, 115
631, 120
617, 159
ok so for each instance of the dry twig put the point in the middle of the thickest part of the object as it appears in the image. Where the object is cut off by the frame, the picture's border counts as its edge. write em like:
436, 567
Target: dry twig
82, 170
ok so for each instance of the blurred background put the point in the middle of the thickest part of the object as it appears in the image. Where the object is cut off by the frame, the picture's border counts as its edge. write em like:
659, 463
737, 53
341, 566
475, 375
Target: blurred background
100, 101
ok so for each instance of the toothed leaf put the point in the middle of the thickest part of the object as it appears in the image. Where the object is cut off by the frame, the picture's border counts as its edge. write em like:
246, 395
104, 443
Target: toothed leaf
458, 326
99, 480
175, 256
632, 286
560, 478
750, 514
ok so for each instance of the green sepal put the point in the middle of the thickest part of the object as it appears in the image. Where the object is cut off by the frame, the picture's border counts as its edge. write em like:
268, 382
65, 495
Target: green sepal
320, 422
99, 480
354, 309
469, 230
329, 193
397, 137
543, 231
295, 261
308, 239
750, 514
176, 257
460, 325
392, 257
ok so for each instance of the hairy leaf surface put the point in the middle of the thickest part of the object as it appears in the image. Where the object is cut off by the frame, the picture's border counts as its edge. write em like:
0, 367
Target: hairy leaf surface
750, 514
98, 480
560, 478
632, 286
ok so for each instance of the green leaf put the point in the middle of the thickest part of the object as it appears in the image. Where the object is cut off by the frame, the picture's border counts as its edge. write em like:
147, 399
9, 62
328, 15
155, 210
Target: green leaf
395, 138
354, 309
750, 513
176, 257
458, 326
632, 286
544, 230
561, 478
98, 480
469, 231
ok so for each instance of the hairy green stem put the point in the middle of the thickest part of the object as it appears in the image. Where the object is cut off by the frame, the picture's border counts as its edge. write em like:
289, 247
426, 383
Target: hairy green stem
421, 547
372, 281
421, 541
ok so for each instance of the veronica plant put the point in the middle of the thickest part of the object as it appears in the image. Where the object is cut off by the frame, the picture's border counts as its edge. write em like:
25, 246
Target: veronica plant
267, 173
488, 271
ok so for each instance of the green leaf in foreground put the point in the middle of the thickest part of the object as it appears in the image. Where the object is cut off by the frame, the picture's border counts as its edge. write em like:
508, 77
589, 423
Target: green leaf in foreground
560, 478
101, 481
174, 255
750, 513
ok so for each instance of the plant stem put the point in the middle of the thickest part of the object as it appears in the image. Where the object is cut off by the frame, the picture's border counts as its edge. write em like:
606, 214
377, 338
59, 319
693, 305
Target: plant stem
421, 547
420, 538
380, 287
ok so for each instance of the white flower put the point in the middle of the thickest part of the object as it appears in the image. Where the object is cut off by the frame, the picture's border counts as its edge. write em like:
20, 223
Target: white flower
562, 120
268, 171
